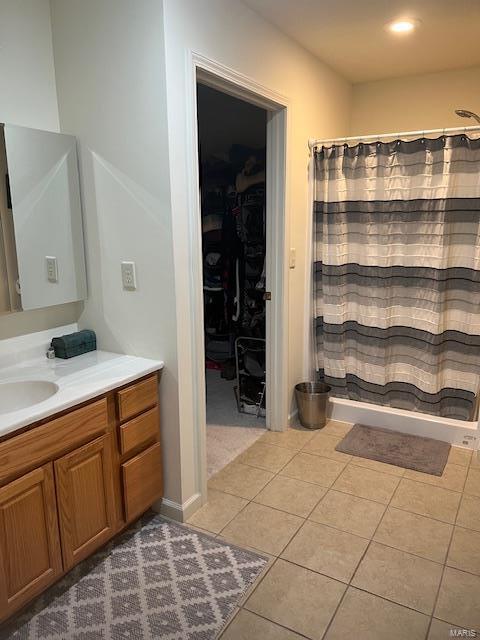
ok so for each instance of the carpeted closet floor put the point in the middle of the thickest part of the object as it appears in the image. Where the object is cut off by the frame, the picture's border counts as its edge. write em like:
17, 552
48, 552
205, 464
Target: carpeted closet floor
228, 431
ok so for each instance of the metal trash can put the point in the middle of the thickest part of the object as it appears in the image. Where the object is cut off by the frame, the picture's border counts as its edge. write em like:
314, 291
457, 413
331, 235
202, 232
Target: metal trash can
312, 403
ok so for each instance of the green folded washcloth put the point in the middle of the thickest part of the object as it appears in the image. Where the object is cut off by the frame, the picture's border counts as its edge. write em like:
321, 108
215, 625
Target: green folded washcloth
74, 344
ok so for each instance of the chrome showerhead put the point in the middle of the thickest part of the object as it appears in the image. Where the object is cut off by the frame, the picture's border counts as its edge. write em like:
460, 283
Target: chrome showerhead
463, 113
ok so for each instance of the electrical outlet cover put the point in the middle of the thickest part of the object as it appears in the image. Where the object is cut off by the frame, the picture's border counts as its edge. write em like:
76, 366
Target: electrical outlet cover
129, 277
52, 268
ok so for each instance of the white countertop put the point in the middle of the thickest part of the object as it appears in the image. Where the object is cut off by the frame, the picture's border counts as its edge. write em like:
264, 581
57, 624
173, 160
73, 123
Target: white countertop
78, 379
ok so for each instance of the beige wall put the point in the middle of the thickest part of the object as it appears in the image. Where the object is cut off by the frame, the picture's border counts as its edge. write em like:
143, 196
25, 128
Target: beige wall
120, 73
110, 71
415, 102
28, 97
230, 33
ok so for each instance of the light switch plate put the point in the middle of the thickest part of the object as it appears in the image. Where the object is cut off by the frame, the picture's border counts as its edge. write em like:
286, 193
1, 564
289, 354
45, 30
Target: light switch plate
52, 268
129, 277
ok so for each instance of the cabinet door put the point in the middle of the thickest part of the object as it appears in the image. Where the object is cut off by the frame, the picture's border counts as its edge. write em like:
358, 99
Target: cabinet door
30, 555
85, 494
142, 481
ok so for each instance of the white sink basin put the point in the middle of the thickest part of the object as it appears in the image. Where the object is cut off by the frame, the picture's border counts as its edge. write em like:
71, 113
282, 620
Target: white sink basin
24, 393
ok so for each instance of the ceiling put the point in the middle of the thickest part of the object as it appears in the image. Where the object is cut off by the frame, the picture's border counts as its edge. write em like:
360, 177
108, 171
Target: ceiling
350, 35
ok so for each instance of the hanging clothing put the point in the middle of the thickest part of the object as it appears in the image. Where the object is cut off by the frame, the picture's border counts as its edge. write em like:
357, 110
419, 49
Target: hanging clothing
397, 273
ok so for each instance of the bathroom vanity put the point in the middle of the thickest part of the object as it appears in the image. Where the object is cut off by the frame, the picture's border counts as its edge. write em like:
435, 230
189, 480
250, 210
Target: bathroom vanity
83, 466
80, 454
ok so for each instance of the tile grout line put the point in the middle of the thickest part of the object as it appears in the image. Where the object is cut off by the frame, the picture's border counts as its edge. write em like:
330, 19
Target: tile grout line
422, 515
350, 585
405, 477
437, 595
332, 488
251, 500
270, 565
383, 544
353, 462
309, 519
276, 473
267, 570
275, 557
329, 526
305, 519
278, 624
340, 437
233, 517
385, 599
329, 488
316, 505
353, 586
279, 510
216, 533
346, 585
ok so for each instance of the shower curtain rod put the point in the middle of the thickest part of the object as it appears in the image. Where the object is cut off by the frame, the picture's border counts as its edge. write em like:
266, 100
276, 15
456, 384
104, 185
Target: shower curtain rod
401, 134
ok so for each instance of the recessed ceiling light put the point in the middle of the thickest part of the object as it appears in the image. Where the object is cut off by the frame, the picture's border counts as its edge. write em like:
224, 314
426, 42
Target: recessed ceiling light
406, 25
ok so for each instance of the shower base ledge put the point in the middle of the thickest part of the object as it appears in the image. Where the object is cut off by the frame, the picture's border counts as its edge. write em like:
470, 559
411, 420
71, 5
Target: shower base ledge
457, 432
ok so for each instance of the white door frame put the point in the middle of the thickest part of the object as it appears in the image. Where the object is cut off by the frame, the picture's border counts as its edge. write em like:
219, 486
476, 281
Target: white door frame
220, 77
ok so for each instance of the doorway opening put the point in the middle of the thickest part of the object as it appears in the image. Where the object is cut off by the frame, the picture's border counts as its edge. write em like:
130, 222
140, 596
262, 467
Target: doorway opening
210, 73
232, 138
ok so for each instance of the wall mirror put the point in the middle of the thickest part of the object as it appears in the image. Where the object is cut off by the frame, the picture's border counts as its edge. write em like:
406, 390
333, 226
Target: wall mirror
42, 260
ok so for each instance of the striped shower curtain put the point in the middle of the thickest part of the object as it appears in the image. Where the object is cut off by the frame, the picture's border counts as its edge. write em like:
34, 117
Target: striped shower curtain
397, 273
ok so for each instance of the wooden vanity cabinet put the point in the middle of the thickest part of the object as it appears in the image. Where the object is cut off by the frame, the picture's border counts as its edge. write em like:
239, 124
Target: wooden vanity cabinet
70, 483
138, 433
136, 398
85, 494
141, 485
30, 554
139, 448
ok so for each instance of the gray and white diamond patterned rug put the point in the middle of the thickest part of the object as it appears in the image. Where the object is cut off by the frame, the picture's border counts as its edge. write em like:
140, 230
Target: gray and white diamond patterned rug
157, 580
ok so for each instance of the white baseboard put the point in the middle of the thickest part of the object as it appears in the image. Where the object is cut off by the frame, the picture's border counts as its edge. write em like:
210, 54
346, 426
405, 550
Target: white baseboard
176, 511
293, 415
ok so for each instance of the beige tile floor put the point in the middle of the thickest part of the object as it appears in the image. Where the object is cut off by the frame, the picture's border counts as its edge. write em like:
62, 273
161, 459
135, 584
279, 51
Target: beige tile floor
358, 549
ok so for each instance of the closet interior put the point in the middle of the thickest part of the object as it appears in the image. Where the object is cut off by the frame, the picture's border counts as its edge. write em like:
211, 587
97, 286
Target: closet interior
232, 158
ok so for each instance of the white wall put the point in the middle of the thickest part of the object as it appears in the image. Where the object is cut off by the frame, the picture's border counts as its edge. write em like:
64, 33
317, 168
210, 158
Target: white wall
415, 102
109, 59
228, 32
28, 97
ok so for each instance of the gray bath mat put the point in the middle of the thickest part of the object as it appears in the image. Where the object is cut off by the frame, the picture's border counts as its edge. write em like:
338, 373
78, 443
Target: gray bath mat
158, 580
401, 449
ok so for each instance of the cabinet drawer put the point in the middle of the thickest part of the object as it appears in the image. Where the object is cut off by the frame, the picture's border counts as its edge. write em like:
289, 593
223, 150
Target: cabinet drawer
43, 443
142, 481
140, 431
137, 397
